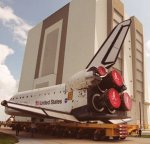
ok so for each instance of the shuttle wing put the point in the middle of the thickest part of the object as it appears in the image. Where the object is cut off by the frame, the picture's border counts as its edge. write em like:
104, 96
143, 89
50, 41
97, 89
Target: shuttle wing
39, 111
109, 51
120, 121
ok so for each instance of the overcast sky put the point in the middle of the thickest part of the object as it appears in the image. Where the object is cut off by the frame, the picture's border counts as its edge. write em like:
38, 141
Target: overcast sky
19, 16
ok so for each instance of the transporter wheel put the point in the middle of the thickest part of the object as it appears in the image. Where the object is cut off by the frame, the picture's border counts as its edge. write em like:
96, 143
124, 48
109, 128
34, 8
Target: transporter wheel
59, 132
52, 131
69, 133
116, 138
119, 138
99, 135
73, 132
96, 137
56, 132
79, 134
64, 132
122, 138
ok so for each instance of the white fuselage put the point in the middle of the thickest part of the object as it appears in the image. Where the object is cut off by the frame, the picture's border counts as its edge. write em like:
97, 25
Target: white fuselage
61, 98
48, 98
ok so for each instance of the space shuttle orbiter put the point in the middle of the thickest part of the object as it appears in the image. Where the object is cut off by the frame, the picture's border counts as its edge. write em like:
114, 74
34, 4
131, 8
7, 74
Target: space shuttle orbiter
91, 94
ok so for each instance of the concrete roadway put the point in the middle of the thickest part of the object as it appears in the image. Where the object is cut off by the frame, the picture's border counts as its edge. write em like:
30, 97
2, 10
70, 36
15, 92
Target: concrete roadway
25, 138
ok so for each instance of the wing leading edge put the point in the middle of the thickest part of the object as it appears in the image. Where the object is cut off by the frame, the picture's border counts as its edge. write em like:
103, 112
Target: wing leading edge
39, 111
109, 51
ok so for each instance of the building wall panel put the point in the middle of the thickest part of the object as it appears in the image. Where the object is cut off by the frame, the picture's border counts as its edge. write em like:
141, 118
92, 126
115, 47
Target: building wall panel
30, 58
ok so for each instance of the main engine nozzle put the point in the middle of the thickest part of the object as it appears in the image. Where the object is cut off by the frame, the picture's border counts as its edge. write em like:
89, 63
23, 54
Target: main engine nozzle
126, 102
109, 101
113, 80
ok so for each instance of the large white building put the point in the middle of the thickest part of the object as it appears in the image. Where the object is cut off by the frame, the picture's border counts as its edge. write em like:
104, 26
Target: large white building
64, 43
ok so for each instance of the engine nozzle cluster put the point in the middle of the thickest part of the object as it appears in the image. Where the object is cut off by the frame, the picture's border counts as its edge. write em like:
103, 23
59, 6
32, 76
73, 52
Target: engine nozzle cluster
110, 96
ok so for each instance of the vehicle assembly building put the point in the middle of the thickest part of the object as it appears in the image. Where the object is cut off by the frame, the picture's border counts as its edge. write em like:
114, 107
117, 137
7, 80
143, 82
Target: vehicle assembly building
64, 42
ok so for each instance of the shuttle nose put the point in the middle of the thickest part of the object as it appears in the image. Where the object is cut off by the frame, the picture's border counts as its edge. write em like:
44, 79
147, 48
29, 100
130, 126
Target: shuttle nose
4, 103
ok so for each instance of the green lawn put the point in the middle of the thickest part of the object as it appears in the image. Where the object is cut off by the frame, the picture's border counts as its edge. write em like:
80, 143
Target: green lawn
145, 136
7, 139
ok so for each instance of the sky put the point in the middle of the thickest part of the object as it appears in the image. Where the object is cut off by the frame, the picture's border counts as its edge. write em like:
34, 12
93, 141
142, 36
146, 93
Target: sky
17, 17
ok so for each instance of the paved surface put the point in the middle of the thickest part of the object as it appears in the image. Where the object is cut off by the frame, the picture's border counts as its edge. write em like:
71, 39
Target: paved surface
25, 138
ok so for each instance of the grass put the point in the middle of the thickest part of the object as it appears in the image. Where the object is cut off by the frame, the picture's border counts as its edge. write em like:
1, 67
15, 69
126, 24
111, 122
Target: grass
7, 139
145, 136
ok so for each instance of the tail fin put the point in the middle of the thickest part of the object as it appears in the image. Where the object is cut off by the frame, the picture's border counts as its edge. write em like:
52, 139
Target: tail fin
109, 51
